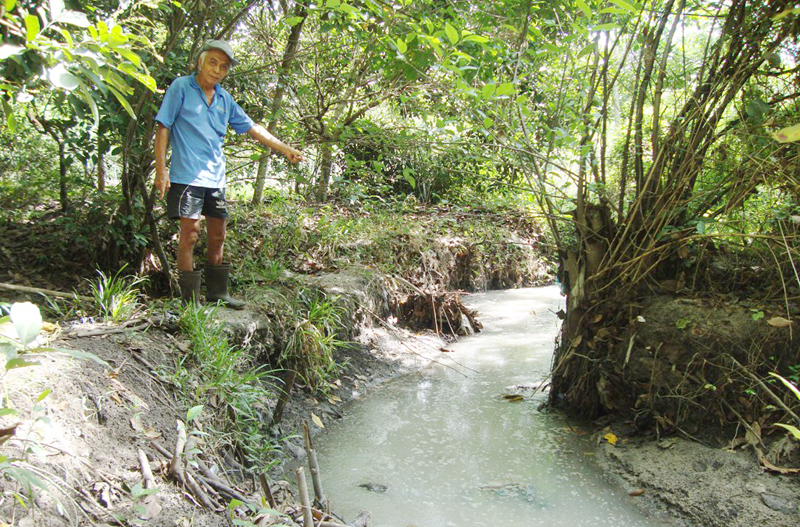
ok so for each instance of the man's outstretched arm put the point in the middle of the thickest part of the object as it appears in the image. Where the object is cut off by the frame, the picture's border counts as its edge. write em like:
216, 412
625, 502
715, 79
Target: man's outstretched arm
260, 134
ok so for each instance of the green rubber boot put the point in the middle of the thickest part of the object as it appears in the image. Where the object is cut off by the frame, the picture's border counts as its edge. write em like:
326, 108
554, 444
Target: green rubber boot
217, 286
190, 287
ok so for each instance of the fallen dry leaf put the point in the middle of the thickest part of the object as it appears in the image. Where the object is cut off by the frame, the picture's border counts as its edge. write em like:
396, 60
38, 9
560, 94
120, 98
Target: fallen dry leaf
779, 322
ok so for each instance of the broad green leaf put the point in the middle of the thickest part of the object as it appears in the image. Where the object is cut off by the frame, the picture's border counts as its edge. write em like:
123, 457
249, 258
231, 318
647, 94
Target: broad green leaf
56, 8
614, 11
293, 21
193, 412
19, 363
792, 430
401, 45
89, 100
9, 50
117, 38
624, 5
507, 88
583, 6
74, 18
333, 4
130, 56
488, 90
32, 27
77, 354
788, 384
452, 34
788, 134
605, 27
60, 77
9, 5
7, 411
475, 38
487, 123
27, 321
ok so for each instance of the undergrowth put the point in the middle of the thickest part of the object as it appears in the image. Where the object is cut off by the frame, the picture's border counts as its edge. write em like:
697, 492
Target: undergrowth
218, 374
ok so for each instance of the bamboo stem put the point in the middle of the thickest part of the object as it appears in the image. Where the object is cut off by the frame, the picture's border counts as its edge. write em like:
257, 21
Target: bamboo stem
305, 501
313, 466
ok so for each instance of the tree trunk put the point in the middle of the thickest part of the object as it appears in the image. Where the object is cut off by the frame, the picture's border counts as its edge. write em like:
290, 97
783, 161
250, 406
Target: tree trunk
101, 172
325, 165
62, 175
277, 102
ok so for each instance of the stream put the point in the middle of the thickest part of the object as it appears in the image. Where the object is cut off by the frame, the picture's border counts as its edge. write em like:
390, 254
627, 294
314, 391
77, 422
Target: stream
444, 447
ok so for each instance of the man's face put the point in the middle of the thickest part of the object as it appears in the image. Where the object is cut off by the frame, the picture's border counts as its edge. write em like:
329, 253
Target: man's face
214, 68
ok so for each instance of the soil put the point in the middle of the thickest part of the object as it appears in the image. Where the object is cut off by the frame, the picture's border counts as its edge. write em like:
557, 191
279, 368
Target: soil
83, 438
81, 424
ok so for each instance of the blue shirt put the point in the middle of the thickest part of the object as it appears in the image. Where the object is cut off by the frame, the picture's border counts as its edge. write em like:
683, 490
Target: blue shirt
197, 130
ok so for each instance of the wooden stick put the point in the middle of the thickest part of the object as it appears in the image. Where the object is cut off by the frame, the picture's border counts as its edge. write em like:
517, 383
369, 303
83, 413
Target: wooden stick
267, 491
147, 473
48, 292
305, 501
313, 466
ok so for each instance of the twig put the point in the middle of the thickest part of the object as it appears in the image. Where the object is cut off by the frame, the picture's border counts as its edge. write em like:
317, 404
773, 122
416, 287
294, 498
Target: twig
267, 491
47, 292
772, 394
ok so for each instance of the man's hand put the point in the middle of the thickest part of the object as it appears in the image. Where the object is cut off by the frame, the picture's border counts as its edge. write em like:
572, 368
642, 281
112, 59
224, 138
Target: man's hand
294, 155
162, 183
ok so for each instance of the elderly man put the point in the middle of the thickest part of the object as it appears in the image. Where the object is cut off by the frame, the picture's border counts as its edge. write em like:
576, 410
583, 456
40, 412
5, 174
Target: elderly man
195, 115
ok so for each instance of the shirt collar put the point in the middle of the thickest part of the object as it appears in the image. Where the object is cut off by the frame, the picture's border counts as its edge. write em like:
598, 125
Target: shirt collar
194, 84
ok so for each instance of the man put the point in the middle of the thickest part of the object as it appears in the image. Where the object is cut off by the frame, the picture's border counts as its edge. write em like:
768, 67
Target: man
195, 115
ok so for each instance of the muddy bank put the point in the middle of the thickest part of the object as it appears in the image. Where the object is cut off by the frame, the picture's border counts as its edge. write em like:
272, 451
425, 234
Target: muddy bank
701, 485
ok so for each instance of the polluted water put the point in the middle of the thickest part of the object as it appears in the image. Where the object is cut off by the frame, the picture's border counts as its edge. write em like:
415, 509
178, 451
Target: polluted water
467, 443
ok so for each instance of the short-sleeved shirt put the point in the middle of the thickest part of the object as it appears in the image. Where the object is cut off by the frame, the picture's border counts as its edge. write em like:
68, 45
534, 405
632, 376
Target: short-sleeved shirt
197, 130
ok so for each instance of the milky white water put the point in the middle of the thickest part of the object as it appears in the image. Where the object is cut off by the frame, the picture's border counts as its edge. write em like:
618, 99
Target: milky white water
451, 452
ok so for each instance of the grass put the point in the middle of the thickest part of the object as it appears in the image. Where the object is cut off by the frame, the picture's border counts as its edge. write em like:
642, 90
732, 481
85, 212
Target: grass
116, 296
218, 374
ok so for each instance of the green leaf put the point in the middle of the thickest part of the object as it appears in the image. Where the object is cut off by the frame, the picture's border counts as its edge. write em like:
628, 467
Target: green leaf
9, 5
788, 134
9, 50
193, 412
622, 4
43, 395
401, 45
583, 6
605, 27
89, 100
788, 384
488, 90
293, 21
32, 27
27, 321
452, 34
19, 363
487, 122
333, 4
56, 8
77, 354
7, 411
792, 430
507, 88
475, 38
61, 78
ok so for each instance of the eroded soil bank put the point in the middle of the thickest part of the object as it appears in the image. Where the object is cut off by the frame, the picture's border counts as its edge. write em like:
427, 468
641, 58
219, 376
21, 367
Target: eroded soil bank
82, 424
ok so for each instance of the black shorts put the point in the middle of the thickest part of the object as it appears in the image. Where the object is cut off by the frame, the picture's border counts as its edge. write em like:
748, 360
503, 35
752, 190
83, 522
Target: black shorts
187, 201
